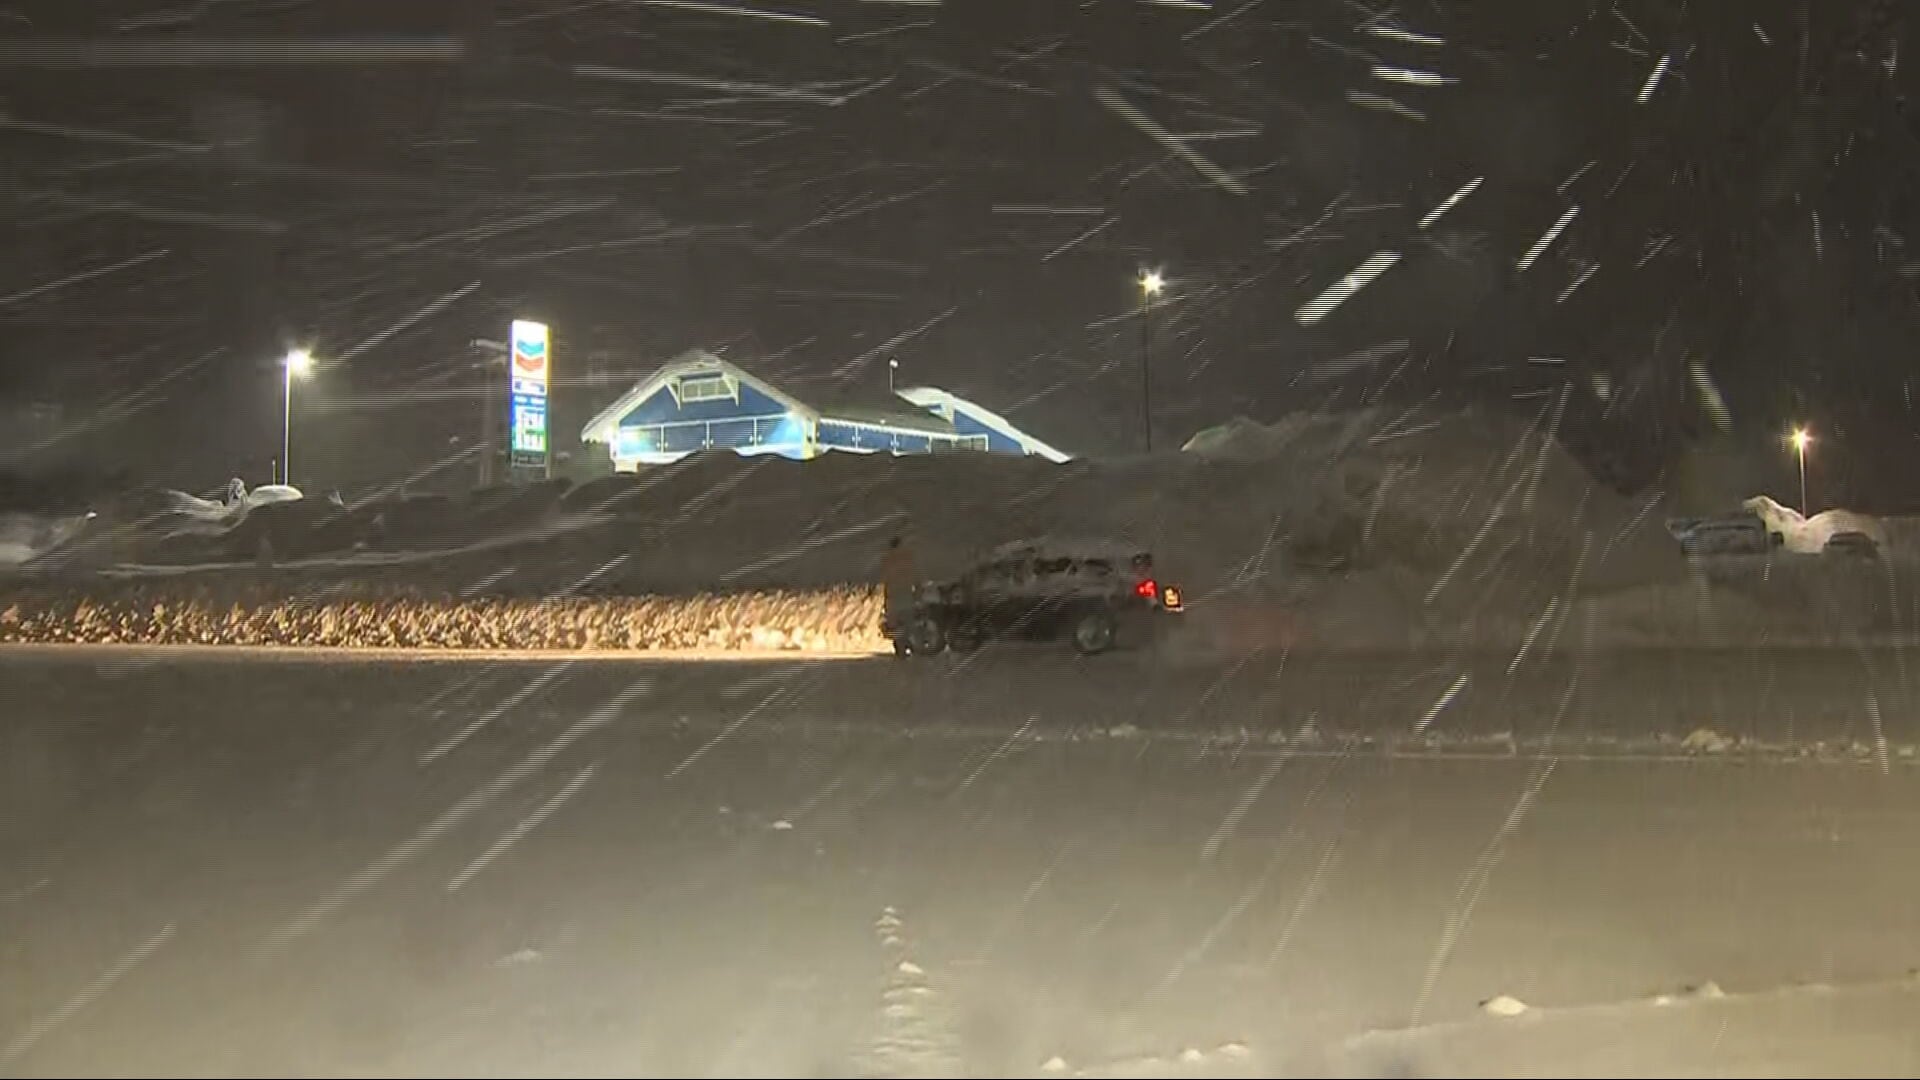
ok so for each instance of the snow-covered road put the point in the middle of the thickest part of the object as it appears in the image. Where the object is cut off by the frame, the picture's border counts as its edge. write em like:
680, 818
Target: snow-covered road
333, 866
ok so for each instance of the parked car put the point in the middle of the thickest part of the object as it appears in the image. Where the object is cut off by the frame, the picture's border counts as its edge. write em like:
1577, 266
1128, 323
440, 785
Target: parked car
1734, 534
1852, 544
1094, 595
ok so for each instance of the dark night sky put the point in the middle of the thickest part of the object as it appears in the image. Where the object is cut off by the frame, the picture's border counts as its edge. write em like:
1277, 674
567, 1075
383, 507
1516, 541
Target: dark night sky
650, 178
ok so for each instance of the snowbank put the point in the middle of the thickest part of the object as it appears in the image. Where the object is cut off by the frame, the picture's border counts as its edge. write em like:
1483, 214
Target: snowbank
1367, 528
25, 537
1809, 535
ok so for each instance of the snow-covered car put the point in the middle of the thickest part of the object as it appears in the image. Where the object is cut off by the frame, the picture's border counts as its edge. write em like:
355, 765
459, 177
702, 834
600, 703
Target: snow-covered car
1094, 595
1852, 543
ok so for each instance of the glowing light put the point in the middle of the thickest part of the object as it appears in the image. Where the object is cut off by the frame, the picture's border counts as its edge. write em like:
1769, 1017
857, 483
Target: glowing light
1151, 282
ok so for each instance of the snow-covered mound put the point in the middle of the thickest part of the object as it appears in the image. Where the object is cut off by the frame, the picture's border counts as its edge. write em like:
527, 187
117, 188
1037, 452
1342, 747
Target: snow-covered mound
1809, 535
165, 502
272, 493
1242, 439
25, 537
1435, 516
193, 506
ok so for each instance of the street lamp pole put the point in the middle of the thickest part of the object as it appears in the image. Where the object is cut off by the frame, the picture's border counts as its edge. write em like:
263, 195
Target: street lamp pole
1800, 441
1150, 285
297, 362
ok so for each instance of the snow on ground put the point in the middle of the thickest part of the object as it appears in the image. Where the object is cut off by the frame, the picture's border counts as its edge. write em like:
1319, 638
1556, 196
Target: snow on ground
1363, 529
480, 869
1802, 1030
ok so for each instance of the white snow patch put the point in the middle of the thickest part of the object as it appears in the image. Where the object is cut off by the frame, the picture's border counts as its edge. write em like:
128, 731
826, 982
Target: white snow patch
1503, 1005
1707, 741
1802, 535
273, 493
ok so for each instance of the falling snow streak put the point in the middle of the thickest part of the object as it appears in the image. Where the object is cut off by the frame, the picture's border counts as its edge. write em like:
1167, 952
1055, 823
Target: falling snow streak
951, 72
184, 51
1231, 823
412, 320
791, 93
1546, 240
116, 138
1533, 633
1078, 240
1473, 885
519, 831
517, 699
1652, 84
453, 817
1411, 76
857, 208
1148, 126
858, 365
1546, 444
84, 275
885, 31
1215, 23
1356, 361
1382, 103
1451, 201
88, 994
1480, 537
697, 7
732, 728
1709, 392
118, 409
491, 230
1579, 279
1440, 706
107, 204
1383, 27
1343, 290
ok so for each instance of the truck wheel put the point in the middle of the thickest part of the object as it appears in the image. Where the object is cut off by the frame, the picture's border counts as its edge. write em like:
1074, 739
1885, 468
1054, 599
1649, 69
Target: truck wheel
1094, 632
926, 637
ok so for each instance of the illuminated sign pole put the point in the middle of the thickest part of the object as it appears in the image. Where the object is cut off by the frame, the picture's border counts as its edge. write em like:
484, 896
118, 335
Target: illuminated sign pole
529, 371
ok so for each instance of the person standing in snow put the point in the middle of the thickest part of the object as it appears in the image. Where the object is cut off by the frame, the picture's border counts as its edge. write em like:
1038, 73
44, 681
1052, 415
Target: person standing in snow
898, 579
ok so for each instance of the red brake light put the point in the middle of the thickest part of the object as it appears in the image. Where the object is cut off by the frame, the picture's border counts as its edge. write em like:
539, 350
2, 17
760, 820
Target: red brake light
1147, 589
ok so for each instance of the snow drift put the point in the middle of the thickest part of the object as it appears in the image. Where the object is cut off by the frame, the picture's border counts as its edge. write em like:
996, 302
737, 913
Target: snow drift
1802, 535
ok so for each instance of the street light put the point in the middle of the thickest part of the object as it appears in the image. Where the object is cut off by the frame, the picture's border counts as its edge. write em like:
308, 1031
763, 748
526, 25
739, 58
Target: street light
1150, 285
297, 362
1800, 438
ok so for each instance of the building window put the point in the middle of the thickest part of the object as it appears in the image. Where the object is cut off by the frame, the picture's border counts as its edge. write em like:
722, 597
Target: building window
972, 442
705, 388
